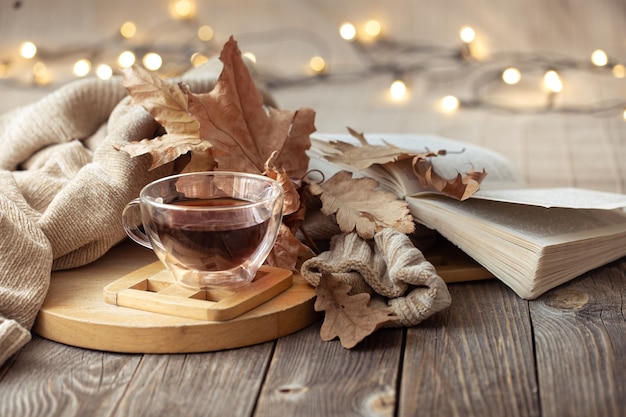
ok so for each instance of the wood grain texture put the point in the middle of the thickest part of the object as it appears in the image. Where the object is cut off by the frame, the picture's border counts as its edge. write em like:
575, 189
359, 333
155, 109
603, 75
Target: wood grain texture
309, 377
474, 359
580, 342
50, 379
57, 380
222, 383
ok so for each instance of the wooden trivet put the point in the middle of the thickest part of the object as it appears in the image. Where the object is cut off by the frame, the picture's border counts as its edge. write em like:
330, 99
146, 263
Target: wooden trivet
75, 313
152, 288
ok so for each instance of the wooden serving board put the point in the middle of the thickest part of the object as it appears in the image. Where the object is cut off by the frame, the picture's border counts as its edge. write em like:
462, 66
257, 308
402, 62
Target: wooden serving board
75, 313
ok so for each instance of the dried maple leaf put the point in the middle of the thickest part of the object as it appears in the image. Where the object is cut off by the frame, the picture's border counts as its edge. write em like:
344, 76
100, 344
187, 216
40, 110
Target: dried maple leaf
358, 205
228, 128
242, 131
291, 202
168, 104
461, 187
365, 155
347, 316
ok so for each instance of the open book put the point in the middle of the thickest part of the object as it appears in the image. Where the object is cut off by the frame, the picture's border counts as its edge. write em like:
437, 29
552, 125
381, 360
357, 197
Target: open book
531, 239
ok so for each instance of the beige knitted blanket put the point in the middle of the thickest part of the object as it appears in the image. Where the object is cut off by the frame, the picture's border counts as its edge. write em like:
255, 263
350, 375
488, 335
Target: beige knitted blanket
63, 188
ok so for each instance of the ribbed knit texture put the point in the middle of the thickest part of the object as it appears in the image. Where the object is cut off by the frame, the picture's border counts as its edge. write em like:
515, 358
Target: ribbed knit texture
394, 272
63, 186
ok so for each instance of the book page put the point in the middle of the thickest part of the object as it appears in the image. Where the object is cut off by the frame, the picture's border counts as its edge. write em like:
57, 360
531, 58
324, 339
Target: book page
577, 198
530, 248
543, 226
398, 176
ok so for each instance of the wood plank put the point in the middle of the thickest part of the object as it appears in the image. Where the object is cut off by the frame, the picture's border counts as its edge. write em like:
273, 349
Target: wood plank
224, 383
580, 339
474, 359
51, 379
309, 377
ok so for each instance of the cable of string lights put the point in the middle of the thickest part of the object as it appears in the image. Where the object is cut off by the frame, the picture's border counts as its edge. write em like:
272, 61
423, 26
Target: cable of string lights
378, 55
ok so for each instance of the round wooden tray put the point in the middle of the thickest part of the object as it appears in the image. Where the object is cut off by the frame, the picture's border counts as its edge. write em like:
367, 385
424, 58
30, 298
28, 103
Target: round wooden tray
75, 313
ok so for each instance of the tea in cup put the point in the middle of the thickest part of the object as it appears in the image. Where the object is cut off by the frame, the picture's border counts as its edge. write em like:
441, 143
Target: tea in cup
210, 229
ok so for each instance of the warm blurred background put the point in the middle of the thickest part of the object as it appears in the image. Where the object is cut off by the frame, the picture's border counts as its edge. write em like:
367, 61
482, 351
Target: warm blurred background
542, 82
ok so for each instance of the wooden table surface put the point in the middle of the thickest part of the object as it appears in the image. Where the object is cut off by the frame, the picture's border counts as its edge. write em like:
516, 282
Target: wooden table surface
491, 353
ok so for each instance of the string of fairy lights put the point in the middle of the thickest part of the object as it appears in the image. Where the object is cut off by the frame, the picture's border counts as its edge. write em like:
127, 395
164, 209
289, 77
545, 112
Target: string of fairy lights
401, 61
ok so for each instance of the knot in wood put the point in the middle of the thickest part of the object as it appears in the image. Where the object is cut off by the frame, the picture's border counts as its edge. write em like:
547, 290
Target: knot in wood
292, 389
567, 299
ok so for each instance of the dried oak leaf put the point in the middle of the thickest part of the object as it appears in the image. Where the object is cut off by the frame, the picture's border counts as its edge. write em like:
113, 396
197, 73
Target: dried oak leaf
168, 104
358, 205
287, 250
244, 133
347, 316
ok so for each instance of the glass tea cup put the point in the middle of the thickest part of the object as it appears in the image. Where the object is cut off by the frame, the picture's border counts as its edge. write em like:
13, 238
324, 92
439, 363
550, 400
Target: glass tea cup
209, 229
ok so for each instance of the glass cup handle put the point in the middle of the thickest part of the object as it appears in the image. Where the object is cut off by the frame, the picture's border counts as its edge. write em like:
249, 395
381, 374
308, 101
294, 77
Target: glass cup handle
131, 219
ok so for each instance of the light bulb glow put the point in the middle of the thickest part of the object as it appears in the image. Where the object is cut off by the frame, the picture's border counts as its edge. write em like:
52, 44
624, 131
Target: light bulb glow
104, 72
511, 76
317, 64
128, 30
347, 31
619, 71
41, 74
373, 28
250, 56
82, 67
552, 81
183, 9
126, 59
4, 69
398, 90
198, 59
450, 104
599, 58
152, 61
467, 34
205, 33
624, 114
28, 50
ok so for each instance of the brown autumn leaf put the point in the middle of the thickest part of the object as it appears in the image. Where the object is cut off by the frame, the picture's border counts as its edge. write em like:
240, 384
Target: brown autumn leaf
243, 132
167, 103
358, 205
461, 187
347, 316
287, 250
291, 202
365, 155
228, 128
